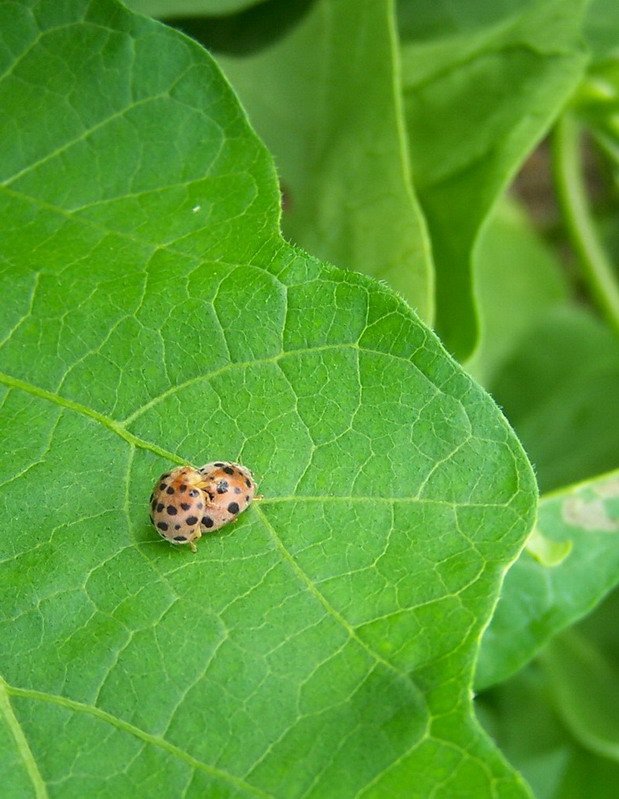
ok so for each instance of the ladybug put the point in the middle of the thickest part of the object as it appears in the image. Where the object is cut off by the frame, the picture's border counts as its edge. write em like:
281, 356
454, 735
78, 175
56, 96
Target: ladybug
230, 488
177, 505
187, 502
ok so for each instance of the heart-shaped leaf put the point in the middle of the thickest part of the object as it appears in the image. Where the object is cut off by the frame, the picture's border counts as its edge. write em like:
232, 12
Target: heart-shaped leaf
325, 644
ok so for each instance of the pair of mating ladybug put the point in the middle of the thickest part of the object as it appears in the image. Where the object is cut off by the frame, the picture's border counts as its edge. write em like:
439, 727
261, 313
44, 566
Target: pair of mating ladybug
187, 502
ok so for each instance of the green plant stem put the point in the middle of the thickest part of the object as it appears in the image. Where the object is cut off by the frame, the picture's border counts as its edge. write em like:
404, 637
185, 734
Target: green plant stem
572, 195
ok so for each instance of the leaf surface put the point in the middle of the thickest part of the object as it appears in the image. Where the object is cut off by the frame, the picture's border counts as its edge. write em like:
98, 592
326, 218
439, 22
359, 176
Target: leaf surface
178, 8
560, 390
519, 282
477, 97
326, 100
602, 29
525, 720
586, 685
154, 316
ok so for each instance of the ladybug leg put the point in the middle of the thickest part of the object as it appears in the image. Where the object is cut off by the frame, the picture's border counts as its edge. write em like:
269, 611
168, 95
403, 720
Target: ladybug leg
197, 536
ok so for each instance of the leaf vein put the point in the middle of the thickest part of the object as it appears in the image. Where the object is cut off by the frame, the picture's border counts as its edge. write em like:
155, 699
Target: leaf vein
111, 424
19, 736
126, 726
324, 602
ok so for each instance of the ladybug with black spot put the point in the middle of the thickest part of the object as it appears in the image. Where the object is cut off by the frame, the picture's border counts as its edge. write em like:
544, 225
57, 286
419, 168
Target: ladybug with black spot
187, 502
230, 488
177, 505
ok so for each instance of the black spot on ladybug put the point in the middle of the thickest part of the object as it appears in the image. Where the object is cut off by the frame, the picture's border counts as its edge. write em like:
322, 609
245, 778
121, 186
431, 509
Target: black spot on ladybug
183, 488
199, 505
247, 497
222, 486
153, 504
248, 482
237, 490
207, 521
163, 476
177, 527
172, 511
233, 507
185, 505
162, 486
160, 507
162, 526
228, 470
194, 493
219, 464
180, 538
191, 520
170, 490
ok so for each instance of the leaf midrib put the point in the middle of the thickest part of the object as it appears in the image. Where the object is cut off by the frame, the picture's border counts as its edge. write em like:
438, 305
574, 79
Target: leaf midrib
120, 427
21, 741
84, 410
102, 715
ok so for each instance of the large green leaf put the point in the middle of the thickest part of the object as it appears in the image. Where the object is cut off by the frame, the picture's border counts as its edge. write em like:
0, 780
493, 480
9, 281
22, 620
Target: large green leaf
152, 316
477, 97
541, 596
326, 101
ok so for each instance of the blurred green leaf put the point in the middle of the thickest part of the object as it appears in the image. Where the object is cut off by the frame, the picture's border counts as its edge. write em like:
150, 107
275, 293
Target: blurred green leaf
586, 688
153, 315
326, 101
586, 775
537, 600
183, 8
246, 30
518, 280
602, 29
560, 390
426, 20
477, 99
522, 718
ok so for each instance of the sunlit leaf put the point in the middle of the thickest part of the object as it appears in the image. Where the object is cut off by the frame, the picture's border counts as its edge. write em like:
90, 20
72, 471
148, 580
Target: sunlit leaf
153, 316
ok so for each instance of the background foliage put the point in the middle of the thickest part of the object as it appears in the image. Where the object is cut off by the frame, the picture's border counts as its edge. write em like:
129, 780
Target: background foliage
161, 307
